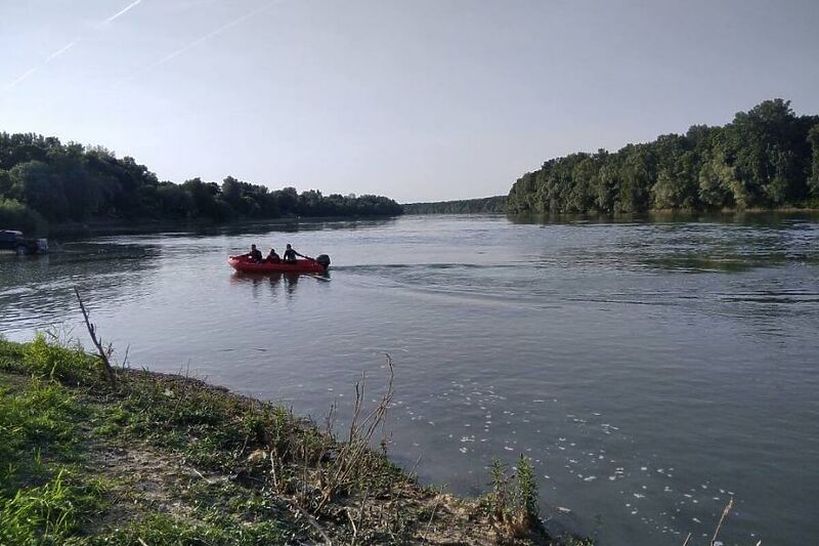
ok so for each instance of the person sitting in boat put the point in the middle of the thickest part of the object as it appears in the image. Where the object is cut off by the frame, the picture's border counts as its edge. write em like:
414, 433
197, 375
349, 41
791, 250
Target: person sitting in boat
273, 258
290, 255
255, 255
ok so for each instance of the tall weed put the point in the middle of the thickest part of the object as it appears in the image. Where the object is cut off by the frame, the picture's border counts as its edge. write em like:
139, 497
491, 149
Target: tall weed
58, 362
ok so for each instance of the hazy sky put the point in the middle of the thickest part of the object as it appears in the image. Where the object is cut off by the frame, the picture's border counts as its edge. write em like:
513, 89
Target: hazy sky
417, 100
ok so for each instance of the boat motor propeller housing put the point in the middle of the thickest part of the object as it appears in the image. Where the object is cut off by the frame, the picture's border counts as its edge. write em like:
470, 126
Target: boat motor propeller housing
324, 260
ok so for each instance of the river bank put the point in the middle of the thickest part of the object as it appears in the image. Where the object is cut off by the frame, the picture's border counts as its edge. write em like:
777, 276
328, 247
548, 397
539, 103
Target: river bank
155, 458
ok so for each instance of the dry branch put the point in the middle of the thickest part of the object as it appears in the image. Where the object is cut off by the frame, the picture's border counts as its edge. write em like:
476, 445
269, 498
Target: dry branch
721, 519
312, 521
101, 352
362, 430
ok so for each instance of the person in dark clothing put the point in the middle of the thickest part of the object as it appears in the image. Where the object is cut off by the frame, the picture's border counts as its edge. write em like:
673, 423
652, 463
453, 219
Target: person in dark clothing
273, 258
290, 254
255, 255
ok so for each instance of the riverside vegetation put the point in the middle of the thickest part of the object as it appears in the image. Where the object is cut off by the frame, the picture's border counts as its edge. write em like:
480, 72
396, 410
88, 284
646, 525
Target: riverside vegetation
44, 182
495, 204
140, 458
767, 157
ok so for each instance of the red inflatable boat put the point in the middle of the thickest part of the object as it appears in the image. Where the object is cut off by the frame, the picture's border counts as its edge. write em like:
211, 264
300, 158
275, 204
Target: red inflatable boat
245, 265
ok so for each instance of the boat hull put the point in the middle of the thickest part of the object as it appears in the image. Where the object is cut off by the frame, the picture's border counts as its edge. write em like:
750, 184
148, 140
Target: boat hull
300, 266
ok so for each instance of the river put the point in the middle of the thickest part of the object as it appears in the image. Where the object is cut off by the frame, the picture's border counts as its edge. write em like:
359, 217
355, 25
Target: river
651, 369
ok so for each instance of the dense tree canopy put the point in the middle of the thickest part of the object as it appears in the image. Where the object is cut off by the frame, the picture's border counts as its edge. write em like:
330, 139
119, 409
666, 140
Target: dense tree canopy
767, 157
463, 206
43, 180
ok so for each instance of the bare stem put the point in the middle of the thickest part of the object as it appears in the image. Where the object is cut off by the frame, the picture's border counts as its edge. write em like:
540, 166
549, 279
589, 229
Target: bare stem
101, 352
721, 519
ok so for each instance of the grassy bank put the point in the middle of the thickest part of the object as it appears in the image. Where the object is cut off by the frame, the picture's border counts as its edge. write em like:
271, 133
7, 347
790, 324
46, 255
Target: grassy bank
153, 459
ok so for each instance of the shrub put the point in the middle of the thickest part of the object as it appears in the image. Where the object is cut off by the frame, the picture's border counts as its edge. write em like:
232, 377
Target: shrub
513, 503
15, 215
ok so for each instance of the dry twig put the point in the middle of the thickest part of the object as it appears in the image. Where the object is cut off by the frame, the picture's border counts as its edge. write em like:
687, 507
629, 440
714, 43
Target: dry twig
431, 517
273, 475
355, 529
103, 353
312, 521
721, 519
360, 435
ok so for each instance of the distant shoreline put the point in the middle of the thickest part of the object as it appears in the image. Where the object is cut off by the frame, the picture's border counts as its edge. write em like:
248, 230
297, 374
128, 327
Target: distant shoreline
489, 205
493, 204
78, 230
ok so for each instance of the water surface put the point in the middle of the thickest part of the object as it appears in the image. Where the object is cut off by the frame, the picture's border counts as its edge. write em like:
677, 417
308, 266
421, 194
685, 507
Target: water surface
650, 369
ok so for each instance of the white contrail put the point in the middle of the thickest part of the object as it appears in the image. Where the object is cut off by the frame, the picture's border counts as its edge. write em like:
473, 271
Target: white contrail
20, 78
198, 41
25, 75
60, 51
123, 11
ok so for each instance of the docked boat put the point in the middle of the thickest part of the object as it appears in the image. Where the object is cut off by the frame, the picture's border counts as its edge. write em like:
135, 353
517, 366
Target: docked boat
246, 265
16, 242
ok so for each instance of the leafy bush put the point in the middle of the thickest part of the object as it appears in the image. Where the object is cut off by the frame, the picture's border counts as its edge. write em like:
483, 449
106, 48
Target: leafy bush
527, 500
513, 502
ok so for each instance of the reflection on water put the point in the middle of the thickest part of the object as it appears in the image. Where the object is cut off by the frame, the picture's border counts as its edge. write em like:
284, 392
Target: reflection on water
44, 284
651, 367
275, 282
294, 225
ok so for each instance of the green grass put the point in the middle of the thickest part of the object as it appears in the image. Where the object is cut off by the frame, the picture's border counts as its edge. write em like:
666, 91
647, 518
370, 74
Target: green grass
49, 360
162, 529
50, 513
217, 468
36, 423
41, 500
52, 395
48, 494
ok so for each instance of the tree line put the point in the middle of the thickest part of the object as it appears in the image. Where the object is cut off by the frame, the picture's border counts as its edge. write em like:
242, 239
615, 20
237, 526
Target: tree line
767, 157
464, 206
43, 181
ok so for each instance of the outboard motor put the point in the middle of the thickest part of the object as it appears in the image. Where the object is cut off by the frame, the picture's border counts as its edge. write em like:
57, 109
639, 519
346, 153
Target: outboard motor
324, 260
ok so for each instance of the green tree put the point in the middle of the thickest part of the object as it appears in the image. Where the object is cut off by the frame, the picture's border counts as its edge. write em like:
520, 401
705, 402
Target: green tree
35, 184
718, 186
15, 215
174, 201
71, 182
608, 184
763, 158
813, 138
637, 174
5, 183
